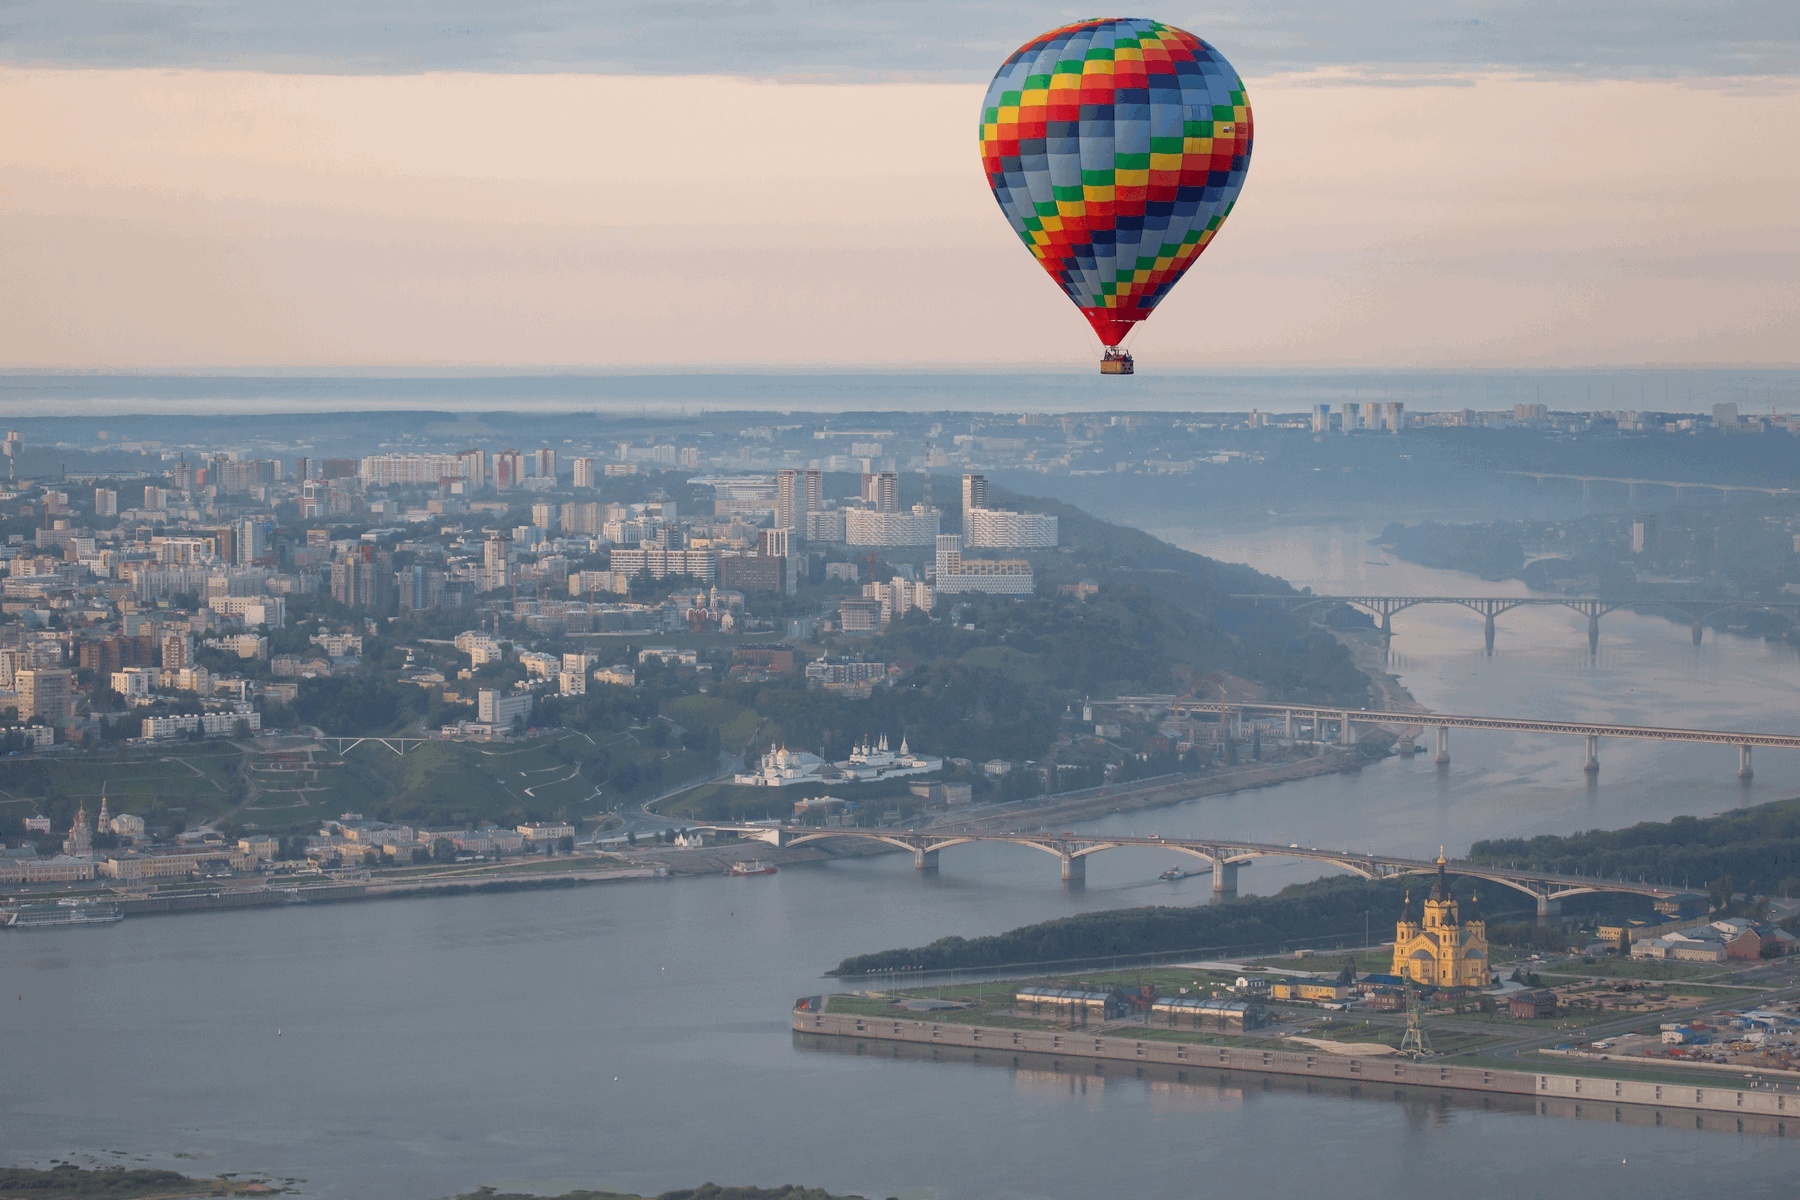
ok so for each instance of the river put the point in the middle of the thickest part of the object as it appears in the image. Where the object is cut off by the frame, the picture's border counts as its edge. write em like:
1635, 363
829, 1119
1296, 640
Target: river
634, 1036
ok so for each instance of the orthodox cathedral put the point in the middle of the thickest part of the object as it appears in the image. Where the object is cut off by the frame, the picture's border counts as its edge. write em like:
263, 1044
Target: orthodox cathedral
1439, 948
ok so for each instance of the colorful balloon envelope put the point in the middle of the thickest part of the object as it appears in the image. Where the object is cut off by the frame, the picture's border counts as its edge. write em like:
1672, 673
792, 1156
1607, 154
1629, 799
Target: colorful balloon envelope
1116, 149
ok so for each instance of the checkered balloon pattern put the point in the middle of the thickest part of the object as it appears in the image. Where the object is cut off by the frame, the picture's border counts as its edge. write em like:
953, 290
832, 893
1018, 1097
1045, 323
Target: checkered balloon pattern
1116, 148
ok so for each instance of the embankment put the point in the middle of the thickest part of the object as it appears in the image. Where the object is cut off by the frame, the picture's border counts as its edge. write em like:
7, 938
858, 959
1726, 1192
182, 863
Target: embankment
1097, 1052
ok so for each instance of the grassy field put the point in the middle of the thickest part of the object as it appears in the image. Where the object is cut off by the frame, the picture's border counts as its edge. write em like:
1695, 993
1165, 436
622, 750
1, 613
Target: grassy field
196, 780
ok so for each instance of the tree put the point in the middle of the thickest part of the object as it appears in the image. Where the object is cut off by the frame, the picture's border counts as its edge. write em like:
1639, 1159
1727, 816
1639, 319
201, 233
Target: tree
1720, 890
566, 843
631, 838
443, 851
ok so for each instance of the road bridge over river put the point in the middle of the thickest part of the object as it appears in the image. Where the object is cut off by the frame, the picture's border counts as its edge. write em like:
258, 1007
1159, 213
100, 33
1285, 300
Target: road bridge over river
1301, 722
1696, 612
1224, 856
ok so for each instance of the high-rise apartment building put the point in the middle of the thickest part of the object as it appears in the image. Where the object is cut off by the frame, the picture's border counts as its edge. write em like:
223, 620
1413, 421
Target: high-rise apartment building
252, 541
796, 494
47, 692
1321, 418
106, 502
474, 467
882, 490
974, 492
544, 463
584, 472
509, 470
177, 649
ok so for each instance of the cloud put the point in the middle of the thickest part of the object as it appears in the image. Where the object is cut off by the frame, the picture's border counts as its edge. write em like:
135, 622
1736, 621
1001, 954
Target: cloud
169, 219
953, 40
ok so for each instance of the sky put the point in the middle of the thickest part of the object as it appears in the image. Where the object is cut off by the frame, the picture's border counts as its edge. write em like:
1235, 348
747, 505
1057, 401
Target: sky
771, 183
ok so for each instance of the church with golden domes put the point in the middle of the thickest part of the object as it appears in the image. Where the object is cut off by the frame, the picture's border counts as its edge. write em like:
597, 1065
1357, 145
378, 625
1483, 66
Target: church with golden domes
1439, 948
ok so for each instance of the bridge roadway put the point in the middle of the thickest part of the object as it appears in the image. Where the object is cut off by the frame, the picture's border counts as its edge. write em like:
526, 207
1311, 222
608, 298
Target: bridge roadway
1223, 855
1318, 721
1633, 484
1696, 612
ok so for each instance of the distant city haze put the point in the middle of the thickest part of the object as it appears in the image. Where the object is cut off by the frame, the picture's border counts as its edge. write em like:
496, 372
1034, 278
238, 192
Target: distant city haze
171, 218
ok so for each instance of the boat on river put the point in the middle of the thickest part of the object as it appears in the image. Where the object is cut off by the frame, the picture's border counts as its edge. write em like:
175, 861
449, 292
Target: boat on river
61, 912
752, 866
1173, 873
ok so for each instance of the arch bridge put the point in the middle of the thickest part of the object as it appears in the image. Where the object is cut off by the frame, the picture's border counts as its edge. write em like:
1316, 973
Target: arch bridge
1383, 608
1224, 857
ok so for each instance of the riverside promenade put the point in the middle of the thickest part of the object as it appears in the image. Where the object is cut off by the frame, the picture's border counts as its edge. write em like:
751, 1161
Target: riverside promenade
1770, 1108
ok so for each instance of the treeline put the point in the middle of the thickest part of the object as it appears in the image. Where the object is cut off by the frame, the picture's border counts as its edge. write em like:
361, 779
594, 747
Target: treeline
1322, 911
1490, 551
1758, 847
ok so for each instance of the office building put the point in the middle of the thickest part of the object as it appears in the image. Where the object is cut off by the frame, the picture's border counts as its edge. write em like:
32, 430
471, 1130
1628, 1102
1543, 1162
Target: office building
974, 492
501, 710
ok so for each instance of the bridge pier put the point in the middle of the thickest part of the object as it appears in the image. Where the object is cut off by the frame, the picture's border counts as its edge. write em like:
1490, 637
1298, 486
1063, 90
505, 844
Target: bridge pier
1744, 771
1592, 765
1290, 724
1697, 629
1074, 868
1443, 746
1225, 880
1387, 625
1347, 731
1488, 632
1547, 908
925, 860
1593, 633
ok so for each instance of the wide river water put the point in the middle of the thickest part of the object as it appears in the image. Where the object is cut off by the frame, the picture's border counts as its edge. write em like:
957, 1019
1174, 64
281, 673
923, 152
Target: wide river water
635, 1036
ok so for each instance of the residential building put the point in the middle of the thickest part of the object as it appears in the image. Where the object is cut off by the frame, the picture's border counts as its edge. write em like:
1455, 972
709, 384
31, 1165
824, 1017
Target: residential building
998, 529
827, 526
798, 493
45, 692
881, 490
994, 576
879, 527
661, 562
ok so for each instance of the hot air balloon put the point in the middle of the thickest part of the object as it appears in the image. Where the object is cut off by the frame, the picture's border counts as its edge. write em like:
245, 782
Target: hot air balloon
1116, 149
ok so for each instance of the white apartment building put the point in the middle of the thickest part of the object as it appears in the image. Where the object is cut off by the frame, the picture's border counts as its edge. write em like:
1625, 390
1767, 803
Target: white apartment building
871, 527
997, 529
661, 562
994, 576
387, 470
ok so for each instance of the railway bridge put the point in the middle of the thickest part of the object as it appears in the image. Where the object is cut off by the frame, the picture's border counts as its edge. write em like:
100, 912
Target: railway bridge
1224, 857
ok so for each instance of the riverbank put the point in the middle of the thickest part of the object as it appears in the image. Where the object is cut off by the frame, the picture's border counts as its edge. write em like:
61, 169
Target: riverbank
1093, 1052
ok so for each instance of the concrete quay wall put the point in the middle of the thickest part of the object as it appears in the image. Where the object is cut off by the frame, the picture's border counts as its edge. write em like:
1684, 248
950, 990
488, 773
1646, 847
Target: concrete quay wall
1383, 1069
